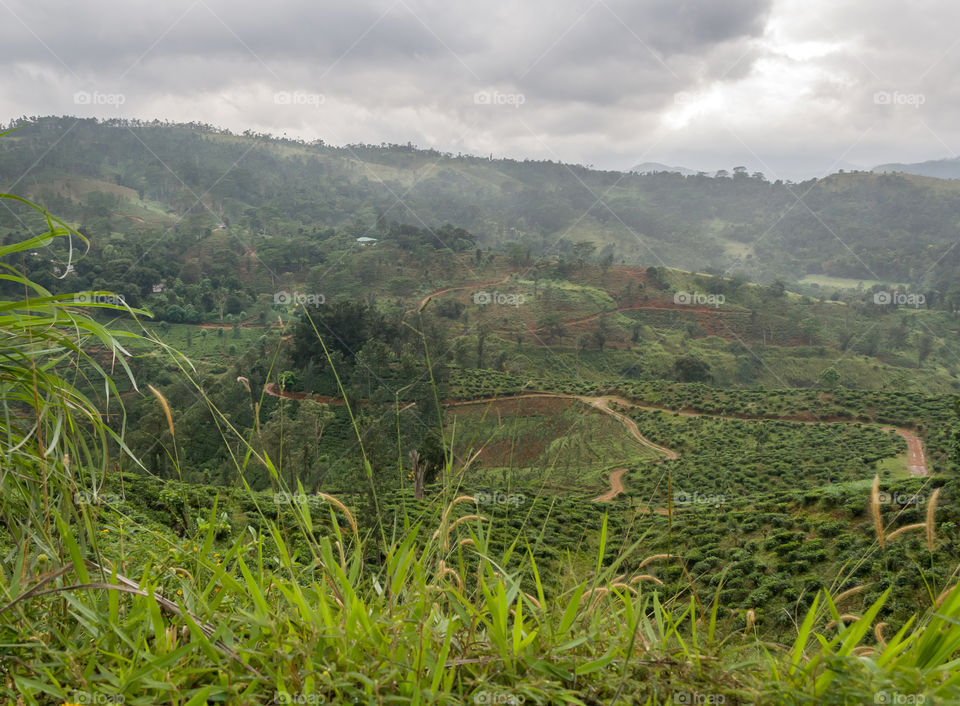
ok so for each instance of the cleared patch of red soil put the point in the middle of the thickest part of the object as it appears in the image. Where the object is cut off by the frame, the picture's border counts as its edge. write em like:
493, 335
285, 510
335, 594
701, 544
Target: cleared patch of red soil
616, 486
271, 389
473, 286
916, 459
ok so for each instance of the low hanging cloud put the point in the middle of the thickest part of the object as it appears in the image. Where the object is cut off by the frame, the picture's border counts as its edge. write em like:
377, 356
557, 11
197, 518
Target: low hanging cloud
784, 87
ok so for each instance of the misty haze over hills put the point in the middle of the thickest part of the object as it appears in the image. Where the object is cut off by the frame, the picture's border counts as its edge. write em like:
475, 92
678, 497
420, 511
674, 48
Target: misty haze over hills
739, 222
655, 167
519, 352
939, 168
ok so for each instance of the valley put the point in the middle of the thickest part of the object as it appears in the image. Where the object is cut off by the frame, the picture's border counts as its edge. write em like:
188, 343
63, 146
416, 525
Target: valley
470, 429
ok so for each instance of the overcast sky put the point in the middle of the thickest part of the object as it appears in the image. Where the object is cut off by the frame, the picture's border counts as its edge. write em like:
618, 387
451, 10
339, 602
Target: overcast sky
788, 87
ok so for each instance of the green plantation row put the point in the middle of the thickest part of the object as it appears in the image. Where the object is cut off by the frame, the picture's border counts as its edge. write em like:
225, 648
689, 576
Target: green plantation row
768, 551
266, 574
740, 457
932, 417
183, 534
867, 405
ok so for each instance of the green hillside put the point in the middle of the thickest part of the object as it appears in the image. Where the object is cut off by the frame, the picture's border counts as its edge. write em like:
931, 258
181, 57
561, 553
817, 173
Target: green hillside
250, 459
113, 177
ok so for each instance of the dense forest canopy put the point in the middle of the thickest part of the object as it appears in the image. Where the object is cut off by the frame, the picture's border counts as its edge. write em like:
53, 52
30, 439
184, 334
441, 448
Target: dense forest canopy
114, 175
470, 360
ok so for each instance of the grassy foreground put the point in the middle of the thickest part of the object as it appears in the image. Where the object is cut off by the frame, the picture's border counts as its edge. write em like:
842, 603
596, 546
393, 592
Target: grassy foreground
323, 606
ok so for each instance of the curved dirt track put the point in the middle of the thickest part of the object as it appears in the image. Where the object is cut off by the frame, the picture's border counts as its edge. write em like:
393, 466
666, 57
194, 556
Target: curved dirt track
271, 389
916, 460
616, 486
474, 285
603, 404
656, 306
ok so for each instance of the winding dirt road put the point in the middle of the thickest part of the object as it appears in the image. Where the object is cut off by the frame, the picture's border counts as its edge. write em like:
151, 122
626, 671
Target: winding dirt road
603, 404
655, 306
271, 389
616, 486
916, 459
474, 285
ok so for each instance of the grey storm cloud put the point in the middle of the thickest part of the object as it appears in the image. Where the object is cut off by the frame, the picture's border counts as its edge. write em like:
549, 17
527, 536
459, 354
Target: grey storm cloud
779, 85
536, 45
98, 32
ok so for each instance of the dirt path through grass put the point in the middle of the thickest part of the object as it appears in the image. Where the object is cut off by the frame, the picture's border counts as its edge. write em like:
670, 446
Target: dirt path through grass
474, 285
616, 486
916, 460
603, 404
656, 306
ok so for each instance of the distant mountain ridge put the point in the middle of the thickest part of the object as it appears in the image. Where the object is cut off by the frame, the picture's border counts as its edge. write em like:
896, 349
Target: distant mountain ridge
122, 179
939, 168
654, 167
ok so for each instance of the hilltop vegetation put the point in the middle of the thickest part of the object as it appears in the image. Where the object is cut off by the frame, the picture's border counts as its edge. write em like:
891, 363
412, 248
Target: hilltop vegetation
114, 177
251, 459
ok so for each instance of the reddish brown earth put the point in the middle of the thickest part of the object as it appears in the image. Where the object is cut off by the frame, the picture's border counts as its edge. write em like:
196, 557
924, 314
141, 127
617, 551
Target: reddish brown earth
475, 285
916, 459
271, 389
616, 486
524, 449
665, 305
602, 404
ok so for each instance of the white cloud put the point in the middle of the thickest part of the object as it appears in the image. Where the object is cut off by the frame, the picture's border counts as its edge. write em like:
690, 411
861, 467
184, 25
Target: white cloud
785, 87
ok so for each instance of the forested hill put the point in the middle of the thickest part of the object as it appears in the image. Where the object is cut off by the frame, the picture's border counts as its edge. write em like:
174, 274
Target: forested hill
116, 178
940, 168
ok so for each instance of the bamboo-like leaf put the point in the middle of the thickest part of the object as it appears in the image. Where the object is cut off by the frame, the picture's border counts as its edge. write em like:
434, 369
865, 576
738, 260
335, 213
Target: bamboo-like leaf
570, 614
803, 635
594, 665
